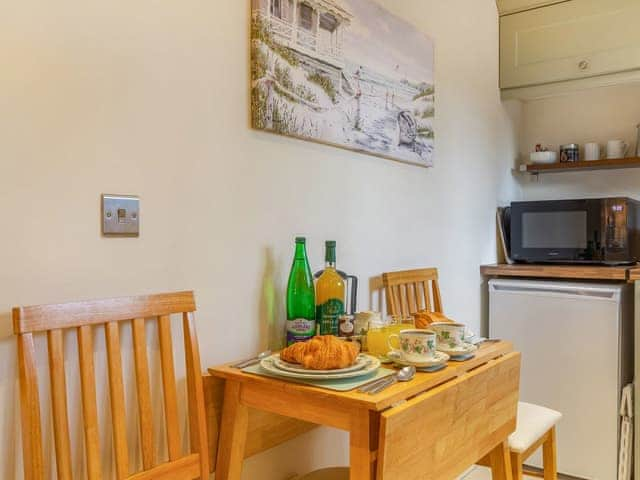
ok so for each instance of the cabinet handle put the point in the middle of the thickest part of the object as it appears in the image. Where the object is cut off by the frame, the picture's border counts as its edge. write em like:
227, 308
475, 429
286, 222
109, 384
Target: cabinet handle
583, 65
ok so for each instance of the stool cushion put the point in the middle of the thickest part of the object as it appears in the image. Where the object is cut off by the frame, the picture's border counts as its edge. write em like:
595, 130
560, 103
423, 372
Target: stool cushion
336, 473
533, 422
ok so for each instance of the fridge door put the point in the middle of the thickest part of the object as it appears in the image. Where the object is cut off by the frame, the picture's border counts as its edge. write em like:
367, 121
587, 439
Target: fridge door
570, 338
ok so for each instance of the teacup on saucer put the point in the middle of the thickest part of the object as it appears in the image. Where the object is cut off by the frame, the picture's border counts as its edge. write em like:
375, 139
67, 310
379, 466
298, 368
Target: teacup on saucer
438, 358
457, 350
415, 345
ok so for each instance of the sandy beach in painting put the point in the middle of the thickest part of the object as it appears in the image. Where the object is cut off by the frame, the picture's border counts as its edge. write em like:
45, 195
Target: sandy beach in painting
343, 72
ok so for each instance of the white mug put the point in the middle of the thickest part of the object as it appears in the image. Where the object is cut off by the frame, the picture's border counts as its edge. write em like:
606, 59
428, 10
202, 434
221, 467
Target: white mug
592, 151
617, 149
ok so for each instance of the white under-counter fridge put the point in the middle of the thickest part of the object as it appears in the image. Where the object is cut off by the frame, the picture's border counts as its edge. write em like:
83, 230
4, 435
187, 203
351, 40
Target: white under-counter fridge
576, 341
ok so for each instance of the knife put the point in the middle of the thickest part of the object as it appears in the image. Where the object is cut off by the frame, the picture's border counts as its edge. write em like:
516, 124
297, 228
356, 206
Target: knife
253, 360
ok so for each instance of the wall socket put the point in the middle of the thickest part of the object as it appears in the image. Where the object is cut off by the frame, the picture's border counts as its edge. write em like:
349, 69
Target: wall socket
120, 215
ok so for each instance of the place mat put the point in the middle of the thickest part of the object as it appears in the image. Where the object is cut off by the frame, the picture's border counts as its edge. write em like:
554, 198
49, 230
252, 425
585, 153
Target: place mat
339, 385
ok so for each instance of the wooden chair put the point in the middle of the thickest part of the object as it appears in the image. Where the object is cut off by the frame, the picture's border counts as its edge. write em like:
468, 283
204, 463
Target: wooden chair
412, 290
536, 428
83, 317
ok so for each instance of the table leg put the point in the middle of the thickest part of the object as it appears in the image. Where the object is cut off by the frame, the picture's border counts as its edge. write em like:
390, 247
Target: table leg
363, 438
233, 434
500, 462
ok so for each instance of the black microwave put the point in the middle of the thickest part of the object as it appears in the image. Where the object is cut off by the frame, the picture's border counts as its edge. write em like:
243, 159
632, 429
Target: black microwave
598, 230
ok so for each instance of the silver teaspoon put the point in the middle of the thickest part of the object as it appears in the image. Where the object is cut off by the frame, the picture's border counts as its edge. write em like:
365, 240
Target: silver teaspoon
404, 375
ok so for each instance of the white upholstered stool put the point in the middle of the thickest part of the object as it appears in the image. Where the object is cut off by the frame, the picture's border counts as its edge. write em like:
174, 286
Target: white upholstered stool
336, 473
536, 427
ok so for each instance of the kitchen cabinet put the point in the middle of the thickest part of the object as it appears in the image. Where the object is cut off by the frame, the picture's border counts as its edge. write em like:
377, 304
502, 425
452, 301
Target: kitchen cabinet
572, 40
505, 7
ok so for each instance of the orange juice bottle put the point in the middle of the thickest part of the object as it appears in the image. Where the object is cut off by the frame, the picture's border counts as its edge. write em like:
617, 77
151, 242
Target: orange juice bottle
330, 294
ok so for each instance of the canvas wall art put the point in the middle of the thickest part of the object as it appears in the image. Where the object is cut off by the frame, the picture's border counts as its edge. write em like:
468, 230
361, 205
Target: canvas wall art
343, 72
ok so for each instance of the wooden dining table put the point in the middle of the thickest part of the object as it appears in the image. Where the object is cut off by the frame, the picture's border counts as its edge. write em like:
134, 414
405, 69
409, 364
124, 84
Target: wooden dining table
461, 415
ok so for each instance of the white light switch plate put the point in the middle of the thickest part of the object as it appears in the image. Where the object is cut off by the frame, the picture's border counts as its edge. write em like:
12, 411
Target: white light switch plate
120, 215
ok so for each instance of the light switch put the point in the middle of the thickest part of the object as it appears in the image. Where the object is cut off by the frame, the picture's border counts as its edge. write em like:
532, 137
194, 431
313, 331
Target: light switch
120, 215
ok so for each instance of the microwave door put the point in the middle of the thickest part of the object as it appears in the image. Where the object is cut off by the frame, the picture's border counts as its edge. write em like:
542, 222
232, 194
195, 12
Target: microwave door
556, 232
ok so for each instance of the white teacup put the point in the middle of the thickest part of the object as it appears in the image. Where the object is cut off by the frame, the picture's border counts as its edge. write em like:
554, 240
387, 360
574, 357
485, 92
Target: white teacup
450, 334
416, 345
617, 149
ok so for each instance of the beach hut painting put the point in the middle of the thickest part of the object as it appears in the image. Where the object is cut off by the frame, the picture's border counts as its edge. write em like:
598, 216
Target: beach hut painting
343, 72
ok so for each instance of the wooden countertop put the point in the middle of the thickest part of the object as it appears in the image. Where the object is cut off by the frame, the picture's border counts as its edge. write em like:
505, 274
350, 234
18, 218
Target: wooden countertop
570, 272
634, 274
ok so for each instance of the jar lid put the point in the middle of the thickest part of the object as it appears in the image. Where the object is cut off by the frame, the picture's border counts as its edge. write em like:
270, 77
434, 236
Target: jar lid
569, 145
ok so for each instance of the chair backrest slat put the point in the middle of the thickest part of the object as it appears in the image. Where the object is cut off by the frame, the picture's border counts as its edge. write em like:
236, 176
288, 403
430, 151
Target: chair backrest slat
143, 386
116, 395
197, 419
169, 388
83, 317
55, 342
404, 295
30, 409
427, 295
41, 318
89, 406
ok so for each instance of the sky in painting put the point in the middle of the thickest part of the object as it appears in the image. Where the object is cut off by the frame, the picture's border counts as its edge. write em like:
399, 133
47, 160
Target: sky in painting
387, 44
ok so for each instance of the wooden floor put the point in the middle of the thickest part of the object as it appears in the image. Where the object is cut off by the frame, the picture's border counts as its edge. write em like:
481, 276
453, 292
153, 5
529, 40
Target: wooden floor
483, 473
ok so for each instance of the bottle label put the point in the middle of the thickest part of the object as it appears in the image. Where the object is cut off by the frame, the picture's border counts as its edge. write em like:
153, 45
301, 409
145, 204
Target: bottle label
346, 325
327, 315
300, 330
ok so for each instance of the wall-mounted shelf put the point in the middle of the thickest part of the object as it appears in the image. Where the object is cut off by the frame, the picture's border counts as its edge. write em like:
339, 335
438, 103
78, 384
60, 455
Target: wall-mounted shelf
581, 166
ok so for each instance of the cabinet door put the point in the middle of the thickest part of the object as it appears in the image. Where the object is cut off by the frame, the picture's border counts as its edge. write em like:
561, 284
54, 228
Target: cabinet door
567, 41
510, 6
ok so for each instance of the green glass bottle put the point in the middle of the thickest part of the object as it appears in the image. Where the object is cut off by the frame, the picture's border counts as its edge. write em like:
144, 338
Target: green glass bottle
301, 313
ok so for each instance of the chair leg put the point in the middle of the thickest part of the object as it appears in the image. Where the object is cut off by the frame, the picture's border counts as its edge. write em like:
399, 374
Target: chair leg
549, 456
516, 466
500, 461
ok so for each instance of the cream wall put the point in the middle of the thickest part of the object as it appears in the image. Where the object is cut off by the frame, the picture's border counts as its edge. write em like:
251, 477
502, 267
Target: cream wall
595, 115
150, 98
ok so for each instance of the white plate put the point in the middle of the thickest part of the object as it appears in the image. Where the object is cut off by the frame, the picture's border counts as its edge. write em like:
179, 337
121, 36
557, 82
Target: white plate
372, 365
439, 359
464, 349
361, 362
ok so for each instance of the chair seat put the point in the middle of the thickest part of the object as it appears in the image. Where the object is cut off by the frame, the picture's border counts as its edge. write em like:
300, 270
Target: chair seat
533, 422
335, 473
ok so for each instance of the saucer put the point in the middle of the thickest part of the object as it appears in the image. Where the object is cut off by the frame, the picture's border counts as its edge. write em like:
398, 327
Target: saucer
440, 359
460, 350
462, 358
435, 368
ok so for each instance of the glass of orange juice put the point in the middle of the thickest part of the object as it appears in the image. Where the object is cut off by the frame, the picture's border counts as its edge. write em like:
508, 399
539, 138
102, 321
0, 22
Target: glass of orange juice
379, 333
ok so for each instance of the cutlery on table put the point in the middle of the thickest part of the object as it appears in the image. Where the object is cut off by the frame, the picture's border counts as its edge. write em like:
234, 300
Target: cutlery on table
404, 375
373, 383
253, 360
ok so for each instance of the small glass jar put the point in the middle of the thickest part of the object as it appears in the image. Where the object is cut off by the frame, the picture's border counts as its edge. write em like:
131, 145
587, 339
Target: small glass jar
570, 152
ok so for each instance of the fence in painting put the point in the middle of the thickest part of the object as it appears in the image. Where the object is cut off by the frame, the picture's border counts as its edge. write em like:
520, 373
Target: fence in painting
303, 40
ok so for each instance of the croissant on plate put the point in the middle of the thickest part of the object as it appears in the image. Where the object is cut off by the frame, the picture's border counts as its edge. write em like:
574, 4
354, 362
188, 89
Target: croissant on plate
324, 352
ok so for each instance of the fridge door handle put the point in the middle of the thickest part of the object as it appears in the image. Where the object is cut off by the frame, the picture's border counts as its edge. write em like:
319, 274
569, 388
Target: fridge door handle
567, 291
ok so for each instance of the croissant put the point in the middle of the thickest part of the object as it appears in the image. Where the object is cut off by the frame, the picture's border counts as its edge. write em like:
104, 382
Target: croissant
423, 318
324, 352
